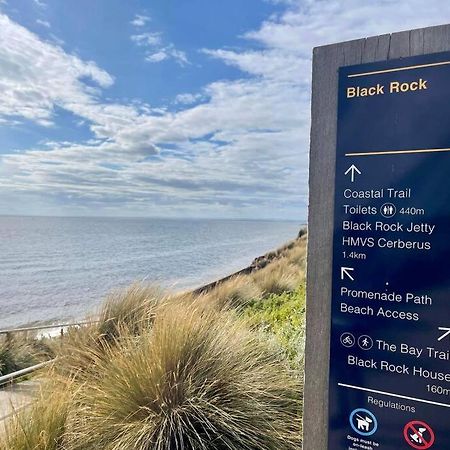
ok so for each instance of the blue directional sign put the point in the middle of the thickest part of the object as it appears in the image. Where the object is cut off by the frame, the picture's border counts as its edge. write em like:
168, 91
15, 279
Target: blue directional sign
390, 338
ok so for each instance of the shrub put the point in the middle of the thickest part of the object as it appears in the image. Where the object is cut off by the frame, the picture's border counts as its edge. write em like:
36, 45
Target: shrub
282, 316
198, 380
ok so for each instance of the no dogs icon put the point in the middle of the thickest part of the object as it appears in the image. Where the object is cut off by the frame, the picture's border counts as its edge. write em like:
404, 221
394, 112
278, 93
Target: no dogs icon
419, 434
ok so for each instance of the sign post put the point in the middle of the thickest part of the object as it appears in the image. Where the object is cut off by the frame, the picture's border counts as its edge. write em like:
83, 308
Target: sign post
378, 325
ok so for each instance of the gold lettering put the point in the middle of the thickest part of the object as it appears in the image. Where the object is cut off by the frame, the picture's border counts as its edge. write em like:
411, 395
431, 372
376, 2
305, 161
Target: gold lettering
394, 87
397, 87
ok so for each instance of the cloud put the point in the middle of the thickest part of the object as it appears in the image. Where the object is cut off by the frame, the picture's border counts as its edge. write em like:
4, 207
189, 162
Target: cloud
236, 148
147, 39
169, 52
44, 23
156, 50
36, 76
140, 20
188, 98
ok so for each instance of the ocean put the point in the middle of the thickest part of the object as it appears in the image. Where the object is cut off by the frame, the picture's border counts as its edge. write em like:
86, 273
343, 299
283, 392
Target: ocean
56, 270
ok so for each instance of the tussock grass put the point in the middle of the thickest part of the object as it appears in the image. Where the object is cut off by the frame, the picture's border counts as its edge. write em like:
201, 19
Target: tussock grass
81, 348
41, 426
278, 277
198, 380
235, 293
134, 308
282, 270
297, 254
20, 352
125, 313
285, 273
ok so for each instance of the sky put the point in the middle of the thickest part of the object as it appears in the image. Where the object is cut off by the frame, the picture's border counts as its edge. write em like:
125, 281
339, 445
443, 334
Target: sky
169, 108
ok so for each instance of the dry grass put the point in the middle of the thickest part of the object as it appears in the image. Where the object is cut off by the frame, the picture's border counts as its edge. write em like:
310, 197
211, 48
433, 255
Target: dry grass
198, 380
21, 351
297, 254
278, 277
125, 313
134, 308
42, 426
235, 293
284, 273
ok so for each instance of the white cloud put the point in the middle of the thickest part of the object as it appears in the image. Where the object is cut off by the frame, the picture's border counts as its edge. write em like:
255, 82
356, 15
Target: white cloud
188, 98
36, 76
156, 50
44, 23
140, 20
156, 57
169, 52
147, 39
235, 148
178, 55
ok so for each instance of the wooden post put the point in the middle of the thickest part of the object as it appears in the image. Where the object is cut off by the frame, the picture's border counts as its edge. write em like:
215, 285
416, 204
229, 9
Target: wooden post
326, 61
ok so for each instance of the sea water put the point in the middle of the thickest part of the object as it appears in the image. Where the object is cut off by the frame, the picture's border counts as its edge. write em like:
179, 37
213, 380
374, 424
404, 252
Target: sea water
60, 269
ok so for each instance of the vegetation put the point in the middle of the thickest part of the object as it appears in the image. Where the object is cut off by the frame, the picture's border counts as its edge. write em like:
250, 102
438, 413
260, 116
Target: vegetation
42, 426
219, 370
282, 316
135, 309
20, 351
197, 380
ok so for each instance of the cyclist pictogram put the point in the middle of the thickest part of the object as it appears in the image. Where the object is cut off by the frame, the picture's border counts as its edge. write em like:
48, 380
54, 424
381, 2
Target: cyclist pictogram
348, 340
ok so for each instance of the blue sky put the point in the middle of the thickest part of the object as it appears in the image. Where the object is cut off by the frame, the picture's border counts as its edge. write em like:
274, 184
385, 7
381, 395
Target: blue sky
169, 108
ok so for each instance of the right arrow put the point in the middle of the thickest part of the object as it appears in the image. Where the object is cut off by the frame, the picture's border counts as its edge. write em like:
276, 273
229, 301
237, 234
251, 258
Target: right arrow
352, 170
447, 333
345, 272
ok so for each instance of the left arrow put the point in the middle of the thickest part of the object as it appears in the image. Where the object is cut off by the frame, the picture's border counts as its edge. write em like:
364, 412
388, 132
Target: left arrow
352, 170
446, 333
346, 272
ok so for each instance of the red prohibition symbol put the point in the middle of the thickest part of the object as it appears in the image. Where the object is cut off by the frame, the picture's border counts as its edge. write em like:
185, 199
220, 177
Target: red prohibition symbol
419, 435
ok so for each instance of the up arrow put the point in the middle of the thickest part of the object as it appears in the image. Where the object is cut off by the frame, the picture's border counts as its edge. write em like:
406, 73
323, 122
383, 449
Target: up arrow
352, 170
446, 334
346, 271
